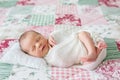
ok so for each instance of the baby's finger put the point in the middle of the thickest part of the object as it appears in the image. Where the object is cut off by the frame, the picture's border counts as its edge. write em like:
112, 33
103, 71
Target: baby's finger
53, 41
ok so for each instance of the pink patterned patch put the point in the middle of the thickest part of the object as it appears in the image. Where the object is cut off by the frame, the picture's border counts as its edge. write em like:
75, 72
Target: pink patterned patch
4, 44
111, 68
110, 3
92, 15
70, 74
44, 30
25, 2
66, 9
37, 2
2, 14
68, 19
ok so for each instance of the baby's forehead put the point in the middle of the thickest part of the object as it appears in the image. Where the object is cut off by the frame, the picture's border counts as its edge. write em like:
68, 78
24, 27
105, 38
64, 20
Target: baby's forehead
32, 33
27, 35
27, 39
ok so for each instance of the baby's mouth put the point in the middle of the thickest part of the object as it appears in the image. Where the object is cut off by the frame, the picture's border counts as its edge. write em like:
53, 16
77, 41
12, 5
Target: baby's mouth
43, 47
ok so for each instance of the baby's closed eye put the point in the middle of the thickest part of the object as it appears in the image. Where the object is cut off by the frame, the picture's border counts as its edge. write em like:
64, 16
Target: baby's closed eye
37, 40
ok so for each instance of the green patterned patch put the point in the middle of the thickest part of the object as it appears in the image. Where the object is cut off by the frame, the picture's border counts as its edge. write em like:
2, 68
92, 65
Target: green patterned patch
68, 2
41, 20
88, 2
112, 50
8, 3
5, 70
110, 10
21, 10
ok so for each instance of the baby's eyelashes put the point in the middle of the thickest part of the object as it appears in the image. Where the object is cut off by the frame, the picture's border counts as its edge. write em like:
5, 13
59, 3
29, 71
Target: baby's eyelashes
37, 40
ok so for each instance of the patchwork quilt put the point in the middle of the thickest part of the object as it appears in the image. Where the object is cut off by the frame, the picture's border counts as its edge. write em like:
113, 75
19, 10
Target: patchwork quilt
17, 16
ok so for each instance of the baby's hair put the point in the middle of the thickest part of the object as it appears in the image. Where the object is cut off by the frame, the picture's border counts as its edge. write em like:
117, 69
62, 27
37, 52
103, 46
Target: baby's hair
20, 40
23, 36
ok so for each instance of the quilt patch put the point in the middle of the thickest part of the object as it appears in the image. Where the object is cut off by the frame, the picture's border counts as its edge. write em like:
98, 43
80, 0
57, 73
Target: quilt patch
18, 16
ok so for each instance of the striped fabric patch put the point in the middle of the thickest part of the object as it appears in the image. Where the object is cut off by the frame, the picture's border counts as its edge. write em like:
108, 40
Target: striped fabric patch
110, 10
90, 2
8, 3
112, 50
41, 20
5, 70
21, 10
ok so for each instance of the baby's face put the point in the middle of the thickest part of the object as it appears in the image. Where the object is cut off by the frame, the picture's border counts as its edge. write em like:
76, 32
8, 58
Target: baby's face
35, 44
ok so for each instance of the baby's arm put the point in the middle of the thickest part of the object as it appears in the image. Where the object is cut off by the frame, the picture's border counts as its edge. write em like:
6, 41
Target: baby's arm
86, 39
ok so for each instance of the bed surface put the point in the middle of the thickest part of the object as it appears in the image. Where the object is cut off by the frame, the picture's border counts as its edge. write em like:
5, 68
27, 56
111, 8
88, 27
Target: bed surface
17, 16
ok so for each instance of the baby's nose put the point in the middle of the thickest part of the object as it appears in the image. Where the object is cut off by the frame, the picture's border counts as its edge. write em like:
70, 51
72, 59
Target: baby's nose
37, 44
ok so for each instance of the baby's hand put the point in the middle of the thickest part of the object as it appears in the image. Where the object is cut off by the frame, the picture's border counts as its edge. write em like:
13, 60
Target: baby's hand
51, 41
101, 45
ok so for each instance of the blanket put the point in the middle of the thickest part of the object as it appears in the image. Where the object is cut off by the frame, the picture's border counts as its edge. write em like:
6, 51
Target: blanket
44, 16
